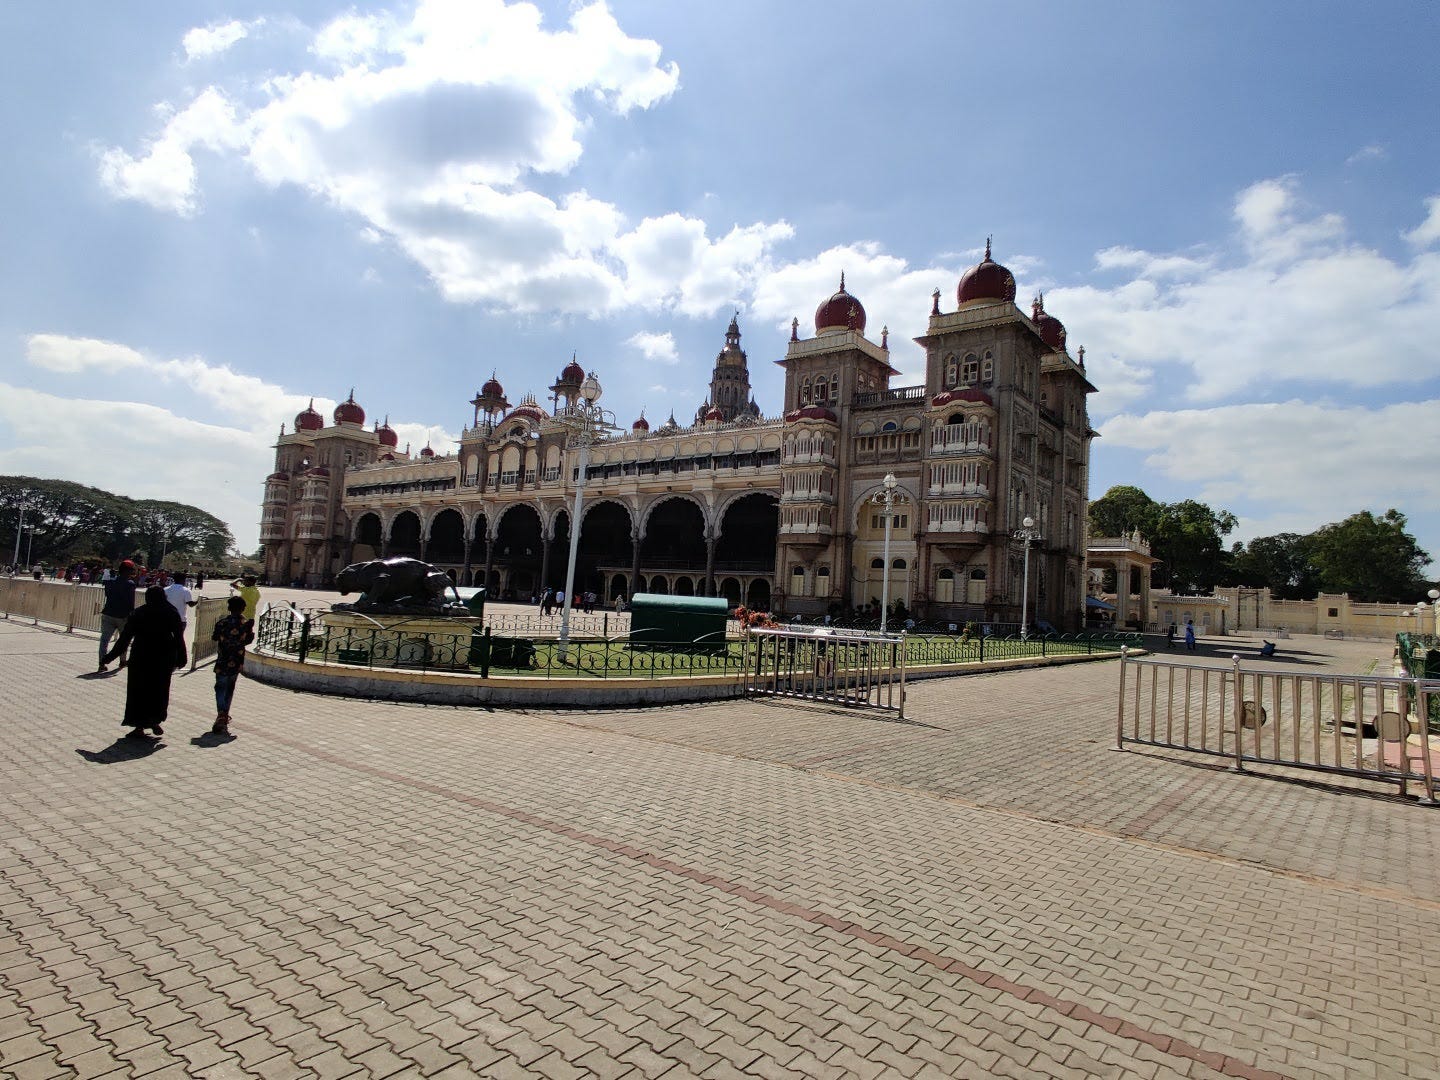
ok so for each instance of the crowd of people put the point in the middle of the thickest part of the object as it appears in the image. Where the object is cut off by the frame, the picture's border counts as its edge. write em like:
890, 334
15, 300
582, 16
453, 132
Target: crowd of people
149, 641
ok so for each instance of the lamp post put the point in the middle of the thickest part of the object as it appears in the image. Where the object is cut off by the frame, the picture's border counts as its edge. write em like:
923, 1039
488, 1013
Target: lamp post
586, 419
1026, 534
886, 499
1434, 595
19, 528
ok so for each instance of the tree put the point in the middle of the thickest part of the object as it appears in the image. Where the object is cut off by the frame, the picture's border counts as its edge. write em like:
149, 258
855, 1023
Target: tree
72, 521
1123, 509
170, 528
1372, 559
1188, 540
1283, 563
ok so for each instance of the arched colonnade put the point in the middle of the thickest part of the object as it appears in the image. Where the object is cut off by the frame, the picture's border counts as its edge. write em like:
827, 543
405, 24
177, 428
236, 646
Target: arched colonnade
673, 543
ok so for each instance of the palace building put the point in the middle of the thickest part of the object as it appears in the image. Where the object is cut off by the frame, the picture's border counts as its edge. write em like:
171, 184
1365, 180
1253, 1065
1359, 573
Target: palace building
778, 512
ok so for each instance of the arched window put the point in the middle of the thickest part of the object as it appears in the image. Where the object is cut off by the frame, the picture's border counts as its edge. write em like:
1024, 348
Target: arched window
952, 372
987, 369
945, 586
890, 425
971, 370
805, 392
822, 389
877, 564
898, 564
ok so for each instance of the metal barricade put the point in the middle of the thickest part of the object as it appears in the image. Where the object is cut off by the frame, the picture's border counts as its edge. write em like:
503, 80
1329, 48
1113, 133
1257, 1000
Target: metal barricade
208, 611
842, 667
1372, 727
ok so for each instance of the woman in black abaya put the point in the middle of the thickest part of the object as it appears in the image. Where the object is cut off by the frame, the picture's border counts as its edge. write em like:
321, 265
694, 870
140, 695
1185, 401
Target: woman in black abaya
156, 637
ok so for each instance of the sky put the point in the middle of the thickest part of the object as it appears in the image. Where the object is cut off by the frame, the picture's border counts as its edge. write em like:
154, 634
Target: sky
217, 211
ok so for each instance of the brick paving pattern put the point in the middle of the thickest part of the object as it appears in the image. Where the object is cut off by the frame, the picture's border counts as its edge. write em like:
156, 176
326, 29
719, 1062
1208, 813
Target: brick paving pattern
742, 889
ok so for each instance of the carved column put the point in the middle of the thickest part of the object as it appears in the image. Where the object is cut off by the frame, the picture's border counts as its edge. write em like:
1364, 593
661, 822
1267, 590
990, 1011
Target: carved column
709, 586
544, 563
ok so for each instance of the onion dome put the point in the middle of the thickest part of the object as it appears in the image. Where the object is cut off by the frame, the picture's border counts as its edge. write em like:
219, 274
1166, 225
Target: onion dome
641, 425
714, 415
347, 412
492, 388
968, 393
1052, 330
841, 312
571, 375
281, 477
672, 424
386, 434
986, 280
811, 412
309, 420
426, 452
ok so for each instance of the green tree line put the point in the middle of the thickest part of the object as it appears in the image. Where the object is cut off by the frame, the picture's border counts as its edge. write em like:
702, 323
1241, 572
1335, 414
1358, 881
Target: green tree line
1373, 559
72, 522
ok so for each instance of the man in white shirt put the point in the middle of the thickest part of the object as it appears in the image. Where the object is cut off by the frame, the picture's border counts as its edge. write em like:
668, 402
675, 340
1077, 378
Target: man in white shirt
181, 598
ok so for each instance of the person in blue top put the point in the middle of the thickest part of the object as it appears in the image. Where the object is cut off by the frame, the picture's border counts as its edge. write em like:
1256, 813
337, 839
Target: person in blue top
119, 603
1190, 635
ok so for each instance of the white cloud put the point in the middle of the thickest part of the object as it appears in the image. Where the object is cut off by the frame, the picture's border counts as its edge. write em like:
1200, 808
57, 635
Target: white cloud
206, 41
433, 129
1291, 301
1310, 463
1428, 231
164, 177
1372, 152
138, 450
658, 348
143, 450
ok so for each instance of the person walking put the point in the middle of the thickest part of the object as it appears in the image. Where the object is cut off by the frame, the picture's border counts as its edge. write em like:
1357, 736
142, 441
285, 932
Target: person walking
1170, 637
119, 603
245, 586
157, 649
232, 633
181, 599
1189, 635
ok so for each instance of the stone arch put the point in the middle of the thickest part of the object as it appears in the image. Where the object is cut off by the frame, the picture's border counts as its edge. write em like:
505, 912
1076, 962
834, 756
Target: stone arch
446, 536
367, 534
405, 534
649, 511
673, 534
747, 529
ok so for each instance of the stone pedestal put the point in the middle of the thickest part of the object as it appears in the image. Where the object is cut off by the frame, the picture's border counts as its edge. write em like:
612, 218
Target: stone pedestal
399, 641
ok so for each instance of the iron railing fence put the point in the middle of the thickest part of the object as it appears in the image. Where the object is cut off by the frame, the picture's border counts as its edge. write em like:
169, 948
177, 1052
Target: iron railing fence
1356, 725
838, 667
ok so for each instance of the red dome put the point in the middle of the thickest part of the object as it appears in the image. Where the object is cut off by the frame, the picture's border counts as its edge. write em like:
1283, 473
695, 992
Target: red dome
387, 457
969, 393
347, 412
986, 280
841, 312
309, 420
525, 408
811, 412
425, 451
492, 388
640, 425
1052, 330
318, 470
714, 414
573, 374
387, 434
278, 476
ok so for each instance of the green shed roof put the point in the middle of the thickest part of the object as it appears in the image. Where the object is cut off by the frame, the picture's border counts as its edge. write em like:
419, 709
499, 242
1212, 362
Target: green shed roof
662, 601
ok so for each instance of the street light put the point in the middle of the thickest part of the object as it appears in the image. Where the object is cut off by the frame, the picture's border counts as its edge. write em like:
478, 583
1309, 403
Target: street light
1028, 535
886, 498
19, 528
586, 419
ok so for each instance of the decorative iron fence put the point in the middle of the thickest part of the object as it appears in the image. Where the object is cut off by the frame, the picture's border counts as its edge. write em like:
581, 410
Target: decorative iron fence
1361, 726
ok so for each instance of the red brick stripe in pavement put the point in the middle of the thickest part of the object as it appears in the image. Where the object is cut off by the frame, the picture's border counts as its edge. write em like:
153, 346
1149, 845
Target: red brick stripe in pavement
1165, 1044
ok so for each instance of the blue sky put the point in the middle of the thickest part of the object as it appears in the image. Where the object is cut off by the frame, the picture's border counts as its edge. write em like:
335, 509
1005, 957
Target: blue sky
216, 211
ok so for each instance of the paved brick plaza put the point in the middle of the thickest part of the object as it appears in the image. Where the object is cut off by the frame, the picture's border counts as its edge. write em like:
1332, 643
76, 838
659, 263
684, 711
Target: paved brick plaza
723, 890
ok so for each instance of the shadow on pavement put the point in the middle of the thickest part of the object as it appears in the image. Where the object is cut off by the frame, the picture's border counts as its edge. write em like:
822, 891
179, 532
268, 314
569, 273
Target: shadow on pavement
210, 739
125, 748
98, 674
